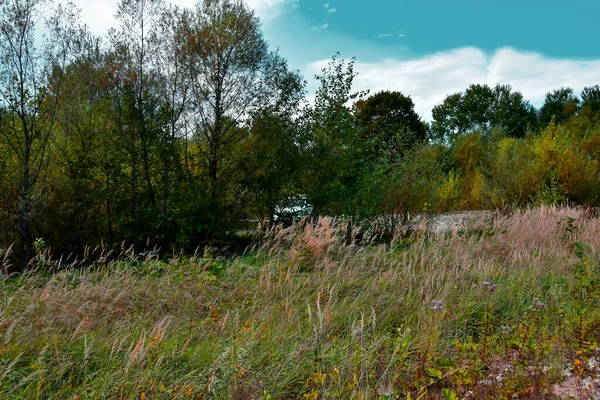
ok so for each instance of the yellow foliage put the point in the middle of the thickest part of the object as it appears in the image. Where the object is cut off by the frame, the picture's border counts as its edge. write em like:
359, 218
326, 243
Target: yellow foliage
448, 192
468, 152
472, 190
562, 166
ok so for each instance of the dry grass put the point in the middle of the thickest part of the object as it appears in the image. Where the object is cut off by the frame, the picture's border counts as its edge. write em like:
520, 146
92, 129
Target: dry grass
310, 314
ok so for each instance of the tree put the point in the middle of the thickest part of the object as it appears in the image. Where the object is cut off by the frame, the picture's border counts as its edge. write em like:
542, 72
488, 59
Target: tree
231, 70
30, 82
119, 89
76, 179
560, 104
512, 112
388, 121
333, 141
271, 170
139, 20
449, 119
480, 108
590, 97
172, 53
274, 144
133, 87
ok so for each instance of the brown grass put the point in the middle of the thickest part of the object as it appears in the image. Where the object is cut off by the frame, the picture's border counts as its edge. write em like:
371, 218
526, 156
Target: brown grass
310, 313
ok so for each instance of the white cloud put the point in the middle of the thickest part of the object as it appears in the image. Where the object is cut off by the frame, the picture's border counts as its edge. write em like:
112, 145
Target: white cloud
385, 35
99, 14
326, 5
428, 80
331, 10
321, 27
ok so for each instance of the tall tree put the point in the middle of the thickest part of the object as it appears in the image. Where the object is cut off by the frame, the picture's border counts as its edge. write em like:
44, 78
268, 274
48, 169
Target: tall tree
590, 97
231, 71
560, 104
134, 45
174, 83
480, 108
78, 191
389, 121
119, 89
449, 120
334, 140
274, 143
512, 112
30, 82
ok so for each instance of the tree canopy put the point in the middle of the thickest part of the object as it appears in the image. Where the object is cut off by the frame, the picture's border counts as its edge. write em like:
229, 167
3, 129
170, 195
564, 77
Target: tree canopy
560, 104
481, 108
388, 121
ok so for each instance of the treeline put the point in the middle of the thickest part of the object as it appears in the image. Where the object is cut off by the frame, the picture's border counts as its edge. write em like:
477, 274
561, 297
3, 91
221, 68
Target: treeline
182, 125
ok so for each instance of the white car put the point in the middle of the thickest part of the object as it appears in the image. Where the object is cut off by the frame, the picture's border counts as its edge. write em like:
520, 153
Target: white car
293, 209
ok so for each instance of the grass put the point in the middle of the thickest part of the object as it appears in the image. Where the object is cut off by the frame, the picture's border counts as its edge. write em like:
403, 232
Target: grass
506, 310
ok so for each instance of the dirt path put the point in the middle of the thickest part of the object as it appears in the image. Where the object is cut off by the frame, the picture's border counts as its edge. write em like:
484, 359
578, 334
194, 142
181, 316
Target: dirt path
456, 221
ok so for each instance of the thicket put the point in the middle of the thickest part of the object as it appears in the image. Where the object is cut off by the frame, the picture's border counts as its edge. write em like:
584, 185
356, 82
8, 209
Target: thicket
181, 128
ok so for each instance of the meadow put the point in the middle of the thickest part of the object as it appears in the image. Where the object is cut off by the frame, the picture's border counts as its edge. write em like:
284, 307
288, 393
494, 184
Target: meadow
506, 309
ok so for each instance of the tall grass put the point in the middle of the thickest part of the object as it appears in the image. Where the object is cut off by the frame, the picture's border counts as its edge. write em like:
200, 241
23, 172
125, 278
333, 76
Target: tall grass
499, 311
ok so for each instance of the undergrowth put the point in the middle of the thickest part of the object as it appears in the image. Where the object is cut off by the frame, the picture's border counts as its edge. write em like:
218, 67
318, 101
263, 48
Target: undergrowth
507, 310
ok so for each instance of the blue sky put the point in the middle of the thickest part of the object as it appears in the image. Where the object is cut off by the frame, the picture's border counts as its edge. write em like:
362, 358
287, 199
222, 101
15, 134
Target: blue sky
429, 48
557, 28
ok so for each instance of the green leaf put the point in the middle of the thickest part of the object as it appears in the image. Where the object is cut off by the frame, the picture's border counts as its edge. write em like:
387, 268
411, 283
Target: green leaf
434, 373
449, 394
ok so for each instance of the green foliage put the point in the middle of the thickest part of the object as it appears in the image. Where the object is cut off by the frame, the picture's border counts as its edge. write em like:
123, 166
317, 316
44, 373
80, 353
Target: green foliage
331, 163
557, 166
480, 108
389, 124
560, 105
585, 292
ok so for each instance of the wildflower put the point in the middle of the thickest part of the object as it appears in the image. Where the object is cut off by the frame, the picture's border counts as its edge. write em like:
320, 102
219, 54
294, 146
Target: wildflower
312, 395
491, 287
538, 305
437, 305
505, 329
319, 378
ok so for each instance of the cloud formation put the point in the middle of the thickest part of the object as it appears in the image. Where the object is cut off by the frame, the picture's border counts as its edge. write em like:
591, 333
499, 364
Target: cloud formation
321, 27
428, 80
331, 10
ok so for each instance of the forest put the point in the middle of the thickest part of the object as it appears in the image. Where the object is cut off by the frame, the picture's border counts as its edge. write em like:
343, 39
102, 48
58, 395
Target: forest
182, 126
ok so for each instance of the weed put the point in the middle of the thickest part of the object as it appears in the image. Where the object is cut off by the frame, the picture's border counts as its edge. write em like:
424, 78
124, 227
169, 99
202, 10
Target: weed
311, 314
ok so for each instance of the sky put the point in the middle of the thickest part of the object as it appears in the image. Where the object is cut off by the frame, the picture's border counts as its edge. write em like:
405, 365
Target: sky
428, 49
